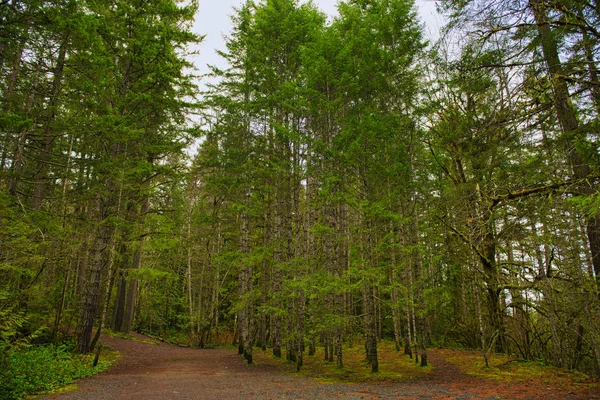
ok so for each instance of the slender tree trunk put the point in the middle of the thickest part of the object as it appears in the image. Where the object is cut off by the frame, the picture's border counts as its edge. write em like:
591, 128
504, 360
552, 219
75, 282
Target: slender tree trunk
370, 328
132, 289
249, 339
338, 348
200, 308
107, 296
420, 287
544, 261
246, 308
395, 295
301, 303
409, 338
330, 347
276, 333
370, 311
290, 346
119, 306
188, 274
482, 330
264, 281
61, 305
520, 317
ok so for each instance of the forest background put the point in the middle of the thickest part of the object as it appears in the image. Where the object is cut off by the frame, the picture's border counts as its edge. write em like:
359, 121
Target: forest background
352, 182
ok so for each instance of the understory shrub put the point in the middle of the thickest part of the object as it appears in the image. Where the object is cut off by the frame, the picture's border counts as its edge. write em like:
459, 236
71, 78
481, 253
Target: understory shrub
43, 368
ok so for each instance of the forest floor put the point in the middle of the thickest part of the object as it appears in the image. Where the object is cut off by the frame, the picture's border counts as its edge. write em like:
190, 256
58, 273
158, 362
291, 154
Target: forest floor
149, 370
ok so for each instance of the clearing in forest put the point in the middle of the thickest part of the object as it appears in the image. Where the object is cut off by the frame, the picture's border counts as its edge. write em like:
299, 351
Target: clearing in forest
155, 370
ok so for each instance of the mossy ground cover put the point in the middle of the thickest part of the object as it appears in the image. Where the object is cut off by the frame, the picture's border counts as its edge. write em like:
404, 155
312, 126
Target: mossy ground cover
393, 366
396, 367
506, 368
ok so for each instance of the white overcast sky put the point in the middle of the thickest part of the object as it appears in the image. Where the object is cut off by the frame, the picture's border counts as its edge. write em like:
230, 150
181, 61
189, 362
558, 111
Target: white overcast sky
213, 20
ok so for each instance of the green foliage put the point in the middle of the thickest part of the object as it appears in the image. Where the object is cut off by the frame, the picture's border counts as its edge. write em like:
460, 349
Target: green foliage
588, 205
16, 331
146, 274
12, 328
43, 368
10, 325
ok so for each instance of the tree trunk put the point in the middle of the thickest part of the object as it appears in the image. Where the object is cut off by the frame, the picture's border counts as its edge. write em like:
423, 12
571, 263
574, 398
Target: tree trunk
188, 276
61, 305
246, 308
119, 306
132, 291
264, 283
89, 302
132, 288
301, 302
276, 334
370, 328
111, 281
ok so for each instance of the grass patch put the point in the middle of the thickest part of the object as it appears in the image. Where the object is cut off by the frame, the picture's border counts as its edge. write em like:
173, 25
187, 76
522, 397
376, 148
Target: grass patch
393, 366
47, 369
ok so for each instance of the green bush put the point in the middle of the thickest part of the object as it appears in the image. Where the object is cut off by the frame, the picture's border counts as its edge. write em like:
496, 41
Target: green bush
43, 368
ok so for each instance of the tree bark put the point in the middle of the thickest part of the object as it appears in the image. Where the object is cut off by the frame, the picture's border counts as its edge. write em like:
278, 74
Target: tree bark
132, 287
89, 302
276, 334
370, 328
119, 306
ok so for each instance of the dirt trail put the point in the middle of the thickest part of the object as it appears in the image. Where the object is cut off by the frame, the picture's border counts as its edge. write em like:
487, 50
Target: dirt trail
164, 371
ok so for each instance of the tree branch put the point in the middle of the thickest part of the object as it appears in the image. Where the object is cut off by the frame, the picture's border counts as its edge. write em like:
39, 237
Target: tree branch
465, 239
529, 192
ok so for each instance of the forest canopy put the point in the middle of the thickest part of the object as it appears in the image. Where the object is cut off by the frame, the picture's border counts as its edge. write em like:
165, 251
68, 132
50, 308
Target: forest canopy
352, 182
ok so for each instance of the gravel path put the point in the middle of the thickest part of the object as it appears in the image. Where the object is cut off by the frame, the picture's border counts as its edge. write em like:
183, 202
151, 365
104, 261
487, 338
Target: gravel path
164, 371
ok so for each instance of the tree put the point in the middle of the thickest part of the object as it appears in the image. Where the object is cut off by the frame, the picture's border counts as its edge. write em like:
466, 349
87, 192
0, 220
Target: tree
85, 83
531, 38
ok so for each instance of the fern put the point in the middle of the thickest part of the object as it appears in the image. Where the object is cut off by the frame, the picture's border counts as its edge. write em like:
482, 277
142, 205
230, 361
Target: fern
11, 328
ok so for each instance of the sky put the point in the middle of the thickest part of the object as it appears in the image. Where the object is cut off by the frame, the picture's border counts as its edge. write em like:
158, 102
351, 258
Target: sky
213, 20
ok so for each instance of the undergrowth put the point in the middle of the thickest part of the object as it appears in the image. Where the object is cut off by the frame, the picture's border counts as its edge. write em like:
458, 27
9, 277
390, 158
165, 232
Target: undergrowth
46, 368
